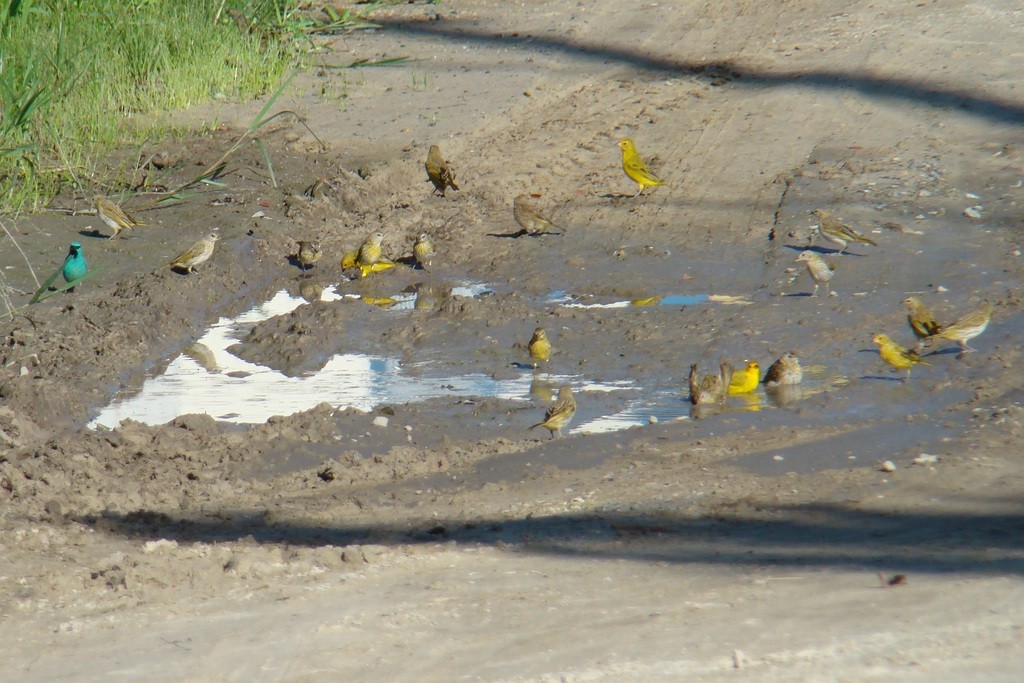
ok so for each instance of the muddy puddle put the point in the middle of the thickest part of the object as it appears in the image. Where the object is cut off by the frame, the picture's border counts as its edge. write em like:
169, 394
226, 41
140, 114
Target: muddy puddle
210, 378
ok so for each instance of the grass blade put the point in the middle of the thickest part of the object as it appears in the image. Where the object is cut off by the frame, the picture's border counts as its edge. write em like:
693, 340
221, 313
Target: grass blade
365, 62
266, 160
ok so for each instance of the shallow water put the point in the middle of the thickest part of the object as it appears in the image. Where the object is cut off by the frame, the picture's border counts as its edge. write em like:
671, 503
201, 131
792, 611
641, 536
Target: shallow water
564, 299
207, 378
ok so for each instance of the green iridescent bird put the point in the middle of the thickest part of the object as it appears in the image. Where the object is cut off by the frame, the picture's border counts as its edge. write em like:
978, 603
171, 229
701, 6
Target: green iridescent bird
73, 269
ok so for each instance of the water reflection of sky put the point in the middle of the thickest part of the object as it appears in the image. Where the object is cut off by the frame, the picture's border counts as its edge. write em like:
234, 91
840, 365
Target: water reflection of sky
208, 379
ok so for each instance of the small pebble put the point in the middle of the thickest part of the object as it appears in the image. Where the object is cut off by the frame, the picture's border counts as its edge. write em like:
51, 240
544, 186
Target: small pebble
778, 458
973, 212
380, 421
926, 459
653, 419
888, 466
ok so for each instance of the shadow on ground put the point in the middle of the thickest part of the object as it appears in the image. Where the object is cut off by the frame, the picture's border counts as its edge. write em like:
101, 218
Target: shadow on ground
886, 88
815, 535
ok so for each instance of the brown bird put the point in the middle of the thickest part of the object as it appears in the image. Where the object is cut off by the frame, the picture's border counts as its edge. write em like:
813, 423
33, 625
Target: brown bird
920, 319
559, 414
836, 232
116, 218
710, 388
310, 290
785, 371
821, 272
195, 255
966, 328
308, 253
531, 220
439, 172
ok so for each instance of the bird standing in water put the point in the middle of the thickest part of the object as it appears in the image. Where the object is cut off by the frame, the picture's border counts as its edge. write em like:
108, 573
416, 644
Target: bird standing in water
370, 251
746, 380
836, 232
539, 346
785, 371
423, 250
820, 271
308, 253
710, 388
966, 328
895, 355
921, 321
558, 415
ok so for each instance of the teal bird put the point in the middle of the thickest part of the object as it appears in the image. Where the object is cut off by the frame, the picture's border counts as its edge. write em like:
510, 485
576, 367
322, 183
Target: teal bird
73, 270
74, 265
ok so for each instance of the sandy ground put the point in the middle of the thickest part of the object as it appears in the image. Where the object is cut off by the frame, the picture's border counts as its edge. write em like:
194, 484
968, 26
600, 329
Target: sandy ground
453, 544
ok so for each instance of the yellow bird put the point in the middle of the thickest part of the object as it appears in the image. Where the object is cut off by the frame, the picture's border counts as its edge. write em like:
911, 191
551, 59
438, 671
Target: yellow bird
920, 318
746, 380
382, 301
540, 347
635, 167
423, 250
439, 172
378, 267
370, 250
349, 260
895, 355
558, 415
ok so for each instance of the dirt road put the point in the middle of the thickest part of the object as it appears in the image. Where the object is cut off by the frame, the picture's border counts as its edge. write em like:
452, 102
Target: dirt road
403, 524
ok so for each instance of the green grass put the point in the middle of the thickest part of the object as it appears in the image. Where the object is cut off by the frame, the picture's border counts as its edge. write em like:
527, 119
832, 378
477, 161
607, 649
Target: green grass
79, 78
